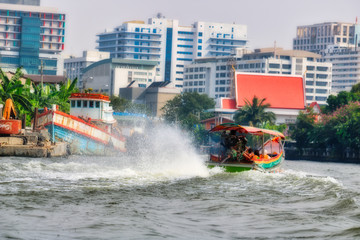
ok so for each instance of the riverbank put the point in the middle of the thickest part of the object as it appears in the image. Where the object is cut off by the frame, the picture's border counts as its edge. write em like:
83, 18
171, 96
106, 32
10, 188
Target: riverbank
322, 155
32, 144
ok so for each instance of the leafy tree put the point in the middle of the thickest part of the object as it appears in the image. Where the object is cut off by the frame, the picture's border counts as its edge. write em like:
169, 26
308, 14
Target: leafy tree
342, 99
188, 109
13, 88
253, 113
64, 92
119, 104
341, 128
302, 131
355, 88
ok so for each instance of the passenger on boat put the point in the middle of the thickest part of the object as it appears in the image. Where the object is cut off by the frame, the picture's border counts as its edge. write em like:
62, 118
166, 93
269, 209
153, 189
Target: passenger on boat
256, 155
248, 153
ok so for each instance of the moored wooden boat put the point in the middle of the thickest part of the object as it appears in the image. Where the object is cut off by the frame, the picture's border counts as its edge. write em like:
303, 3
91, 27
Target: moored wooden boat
89, 129
270, 159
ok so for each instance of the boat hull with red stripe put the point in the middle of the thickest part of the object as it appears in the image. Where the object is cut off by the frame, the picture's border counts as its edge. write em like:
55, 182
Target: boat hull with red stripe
83, 137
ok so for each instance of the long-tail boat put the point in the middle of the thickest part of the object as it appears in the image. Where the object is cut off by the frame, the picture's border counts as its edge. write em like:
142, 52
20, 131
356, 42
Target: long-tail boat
266, 154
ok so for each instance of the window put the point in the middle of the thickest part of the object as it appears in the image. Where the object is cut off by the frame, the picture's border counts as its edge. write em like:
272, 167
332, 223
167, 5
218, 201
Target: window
321, 83
200, 34
200, 41
199, 54
200, 47
310, 68
186, 33
91, 104
322, 69
309, 75
274, 65
97, 104
319, 98
321, 90
85, 103
284, 66
72, 103
78, 103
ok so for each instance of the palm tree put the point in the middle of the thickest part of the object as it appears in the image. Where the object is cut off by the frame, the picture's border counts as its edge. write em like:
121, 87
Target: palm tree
14, 89
253, 113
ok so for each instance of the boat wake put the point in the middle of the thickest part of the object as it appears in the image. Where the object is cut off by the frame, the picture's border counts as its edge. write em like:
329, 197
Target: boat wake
165, 154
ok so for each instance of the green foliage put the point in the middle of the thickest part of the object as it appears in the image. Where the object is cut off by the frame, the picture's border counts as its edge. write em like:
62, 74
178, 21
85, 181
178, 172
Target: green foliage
122, 105
28, 96
201, 135
13, 88
338, 130
118, 104
302, 131
281, 128
188, 109
342, 99
253, 113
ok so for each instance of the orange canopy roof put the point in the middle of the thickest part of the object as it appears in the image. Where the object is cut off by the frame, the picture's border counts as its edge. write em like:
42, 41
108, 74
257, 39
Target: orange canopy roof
280, 91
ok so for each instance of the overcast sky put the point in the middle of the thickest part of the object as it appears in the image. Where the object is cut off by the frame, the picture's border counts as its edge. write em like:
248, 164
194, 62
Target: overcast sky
267, 20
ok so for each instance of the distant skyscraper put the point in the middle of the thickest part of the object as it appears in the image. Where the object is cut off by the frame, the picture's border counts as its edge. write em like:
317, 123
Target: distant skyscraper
172, 46
29, 36
22, 2
338, 43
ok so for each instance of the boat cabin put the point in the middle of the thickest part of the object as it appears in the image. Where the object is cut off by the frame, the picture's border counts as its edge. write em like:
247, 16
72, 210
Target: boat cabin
91, 106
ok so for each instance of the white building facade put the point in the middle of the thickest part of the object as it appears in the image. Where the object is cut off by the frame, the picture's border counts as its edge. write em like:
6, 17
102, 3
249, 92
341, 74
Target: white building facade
346, 67
73, 66
109, 75
214, 76
171, 45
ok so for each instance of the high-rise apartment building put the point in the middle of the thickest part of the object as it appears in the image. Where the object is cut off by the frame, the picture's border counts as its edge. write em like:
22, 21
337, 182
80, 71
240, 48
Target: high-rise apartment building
346, 67
31, 37
214, 76
317, 37
171, 45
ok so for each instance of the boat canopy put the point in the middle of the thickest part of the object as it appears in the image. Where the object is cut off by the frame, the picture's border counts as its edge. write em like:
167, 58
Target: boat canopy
246, 130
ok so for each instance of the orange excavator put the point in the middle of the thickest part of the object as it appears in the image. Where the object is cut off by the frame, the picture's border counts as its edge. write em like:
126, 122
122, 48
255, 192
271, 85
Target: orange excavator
9, 110
8, 123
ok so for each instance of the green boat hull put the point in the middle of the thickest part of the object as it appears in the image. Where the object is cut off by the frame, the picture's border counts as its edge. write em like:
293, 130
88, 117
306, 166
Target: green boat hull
231, 167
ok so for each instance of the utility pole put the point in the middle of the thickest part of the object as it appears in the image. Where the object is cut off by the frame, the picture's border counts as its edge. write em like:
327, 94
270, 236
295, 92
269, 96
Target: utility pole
42, 74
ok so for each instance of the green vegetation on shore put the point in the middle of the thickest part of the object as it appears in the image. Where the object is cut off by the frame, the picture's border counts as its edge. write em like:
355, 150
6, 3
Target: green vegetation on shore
336, 129
28, 96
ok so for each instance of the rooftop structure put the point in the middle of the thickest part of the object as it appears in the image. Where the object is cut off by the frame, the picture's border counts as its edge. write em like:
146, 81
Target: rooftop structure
285, 94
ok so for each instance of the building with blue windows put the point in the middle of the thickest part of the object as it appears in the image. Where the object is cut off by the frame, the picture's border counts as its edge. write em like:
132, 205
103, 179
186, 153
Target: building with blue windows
171, 45
31, 37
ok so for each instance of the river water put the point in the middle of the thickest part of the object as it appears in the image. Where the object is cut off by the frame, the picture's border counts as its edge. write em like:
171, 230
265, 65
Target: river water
166, 192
